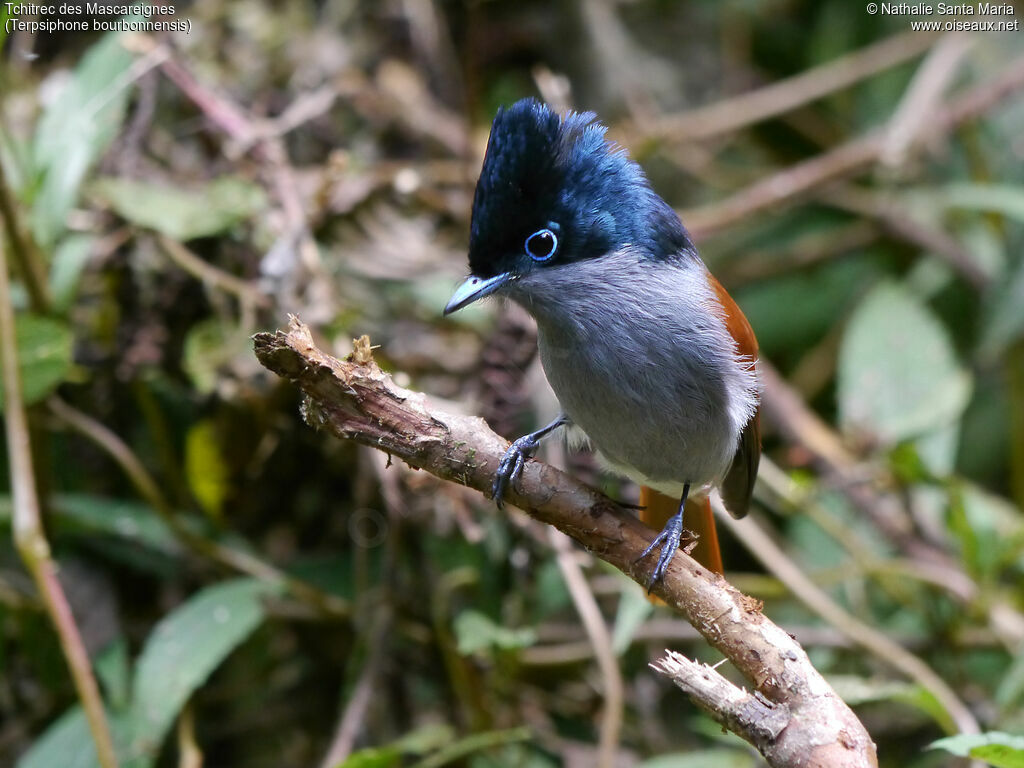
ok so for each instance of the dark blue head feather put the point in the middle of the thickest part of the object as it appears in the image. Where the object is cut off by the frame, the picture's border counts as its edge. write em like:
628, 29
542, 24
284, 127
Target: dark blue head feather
541, 170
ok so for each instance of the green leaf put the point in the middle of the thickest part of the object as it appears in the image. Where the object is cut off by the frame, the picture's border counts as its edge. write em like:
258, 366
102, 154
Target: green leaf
1003, 315
185, 647
859, 690
68, 743
898, 375
1007, 199
634, 608
475, 742
796, 310
113, 668
991, 529
101, 516
1011, 687
5, 15
709, 758
937, 449
44, 355
75, 130
813, 545
549, 592
476, 632
426, 739
183, 214
69, 261
440, 738
208, 347
417, 742
205, 469
1002, 750
518, 755
374, 757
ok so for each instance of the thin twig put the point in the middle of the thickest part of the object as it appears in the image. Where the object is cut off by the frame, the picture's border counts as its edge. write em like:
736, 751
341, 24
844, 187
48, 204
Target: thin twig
901, 224
802, 252
189, 753
242, 128
354, 714
923, 97
784, 95
306, 107
627, 70
28, 531
585, 602
206, 273
847, 159
572, 649
784, 186
596, 629
26, 252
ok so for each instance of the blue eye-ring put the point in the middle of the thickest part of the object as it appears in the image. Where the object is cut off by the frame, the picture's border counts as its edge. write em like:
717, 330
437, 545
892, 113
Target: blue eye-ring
541, 245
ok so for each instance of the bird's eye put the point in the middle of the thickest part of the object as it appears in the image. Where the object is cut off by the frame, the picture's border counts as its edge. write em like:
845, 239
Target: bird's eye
541, 245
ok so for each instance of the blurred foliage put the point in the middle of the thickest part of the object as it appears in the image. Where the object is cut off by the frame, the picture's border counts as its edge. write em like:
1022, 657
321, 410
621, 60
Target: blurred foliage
175, 195
1003, 750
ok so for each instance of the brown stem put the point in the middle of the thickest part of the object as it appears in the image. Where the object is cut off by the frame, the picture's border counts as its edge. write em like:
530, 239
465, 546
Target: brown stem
26, 253
30, 538
269, 149
190, 755
354, 399
210, 275
849, 158
784, 95
353, 718
601, 640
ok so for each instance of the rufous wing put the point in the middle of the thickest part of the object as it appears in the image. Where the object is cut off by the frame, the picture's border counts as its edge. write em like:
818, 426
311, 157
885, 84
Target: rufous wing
738, 485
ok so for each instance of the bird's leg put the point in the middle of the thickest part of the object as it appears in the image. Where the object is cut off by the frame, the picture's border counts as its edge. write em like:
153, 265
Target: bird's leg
669, 541
515, 457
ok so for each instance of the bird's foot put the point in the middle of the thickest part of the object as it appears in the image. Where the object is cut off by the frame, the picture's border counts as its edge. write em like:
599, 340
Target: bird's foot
511, 466
668, 539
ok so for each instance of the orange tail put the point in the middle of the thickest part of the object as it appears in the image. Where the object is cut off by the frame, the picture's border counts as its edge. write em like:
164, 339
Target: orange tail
698, 519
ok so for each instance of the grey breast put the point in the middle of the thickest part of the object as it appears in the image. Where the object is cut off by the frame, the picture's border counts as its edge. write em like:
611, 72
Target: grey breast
640, 367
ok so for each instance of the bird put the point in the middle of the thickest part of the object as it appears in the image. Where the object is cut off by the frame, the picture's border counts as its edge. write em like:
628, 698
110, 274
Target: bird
652, 362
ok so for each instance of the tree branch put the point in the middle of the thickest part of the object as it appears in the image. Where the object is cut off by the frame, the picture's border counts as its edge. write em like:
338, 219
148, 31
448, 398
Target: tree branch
354, 399
731, 706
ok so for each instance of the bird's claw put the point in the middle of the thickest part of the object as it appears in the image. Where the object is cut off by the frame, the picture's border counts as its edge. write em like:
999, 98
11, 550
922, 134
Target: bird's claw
669, 539
511, 466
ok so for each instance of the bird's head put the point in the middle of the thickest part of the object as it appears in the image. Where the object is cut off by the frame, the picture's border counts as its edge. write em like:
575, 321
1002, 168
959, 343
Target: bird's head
554, 191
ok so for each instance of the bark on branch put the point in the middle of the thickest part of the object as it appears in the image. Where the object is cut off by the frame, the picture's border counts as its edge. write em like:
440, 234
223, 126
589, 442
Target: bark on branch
794, 717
